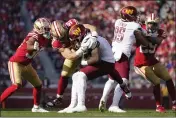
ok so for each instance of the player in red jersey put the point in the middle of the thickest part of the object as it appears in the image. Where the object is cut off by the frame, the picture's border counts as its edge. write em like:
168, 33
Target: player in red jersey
149, 67
59, 32
19, 64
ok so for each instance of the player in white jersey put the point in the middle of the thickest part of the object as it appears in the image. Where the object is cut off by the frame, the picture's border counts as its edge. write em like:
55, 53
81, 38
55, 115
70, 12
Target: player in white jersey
127, 32
99, 62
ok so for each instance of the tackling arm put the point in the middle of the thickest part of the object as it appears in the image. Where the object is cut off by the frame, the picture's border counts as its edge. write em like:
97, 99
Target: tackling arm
140, 38
155, 40
69, 54
32, 44
145, 40
94, 58
92, 29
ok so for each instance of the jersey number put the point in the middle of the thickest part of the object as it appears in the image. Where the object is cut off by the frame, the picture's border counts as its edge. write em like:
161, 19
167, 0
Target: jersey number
119, 33
149, 49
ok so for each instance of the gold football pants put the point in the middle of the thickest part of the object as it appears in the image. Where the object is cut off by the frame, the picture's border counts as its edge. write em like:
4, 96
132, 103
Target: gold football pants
69, 67
153, 73
18, 72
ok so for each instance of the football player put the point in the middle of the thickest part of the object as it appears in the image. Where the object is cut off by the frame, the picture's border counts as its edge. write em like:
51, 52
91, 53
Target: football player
149, 67
127, 32
95, 65
19, 64
66, 47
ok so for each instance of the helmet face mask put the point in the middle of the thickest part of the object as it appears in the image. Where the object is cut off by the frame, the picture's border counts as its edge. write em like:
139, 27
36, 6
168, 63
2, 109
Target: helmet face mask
152, 27
47, 35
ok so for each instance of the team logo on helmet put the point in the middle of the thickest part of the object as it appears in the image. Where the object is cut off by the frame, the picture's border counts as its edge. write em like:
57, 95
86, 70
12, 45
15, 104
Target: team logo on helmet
77, 32
129, 13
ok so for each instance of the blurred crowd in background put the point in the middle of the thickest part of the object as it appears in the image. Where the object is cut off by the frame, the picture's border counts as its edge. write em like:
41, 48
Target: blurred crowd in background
100, 13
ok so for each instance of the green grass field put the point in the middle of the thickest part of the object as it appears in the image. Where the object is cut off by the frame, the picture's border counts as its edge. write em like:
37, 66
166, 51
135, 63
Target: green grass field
90, 113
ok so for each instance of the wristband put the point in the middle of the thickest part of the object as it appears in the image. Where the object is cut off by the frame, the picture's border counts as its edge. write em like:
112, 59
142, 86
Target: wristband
84, 63
94, 33
79, 52
36, 46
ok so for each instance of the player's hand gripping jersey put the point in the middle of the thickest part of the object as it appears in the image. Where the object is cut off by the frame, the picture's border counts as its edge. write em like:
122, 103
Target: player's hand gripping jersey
22, 55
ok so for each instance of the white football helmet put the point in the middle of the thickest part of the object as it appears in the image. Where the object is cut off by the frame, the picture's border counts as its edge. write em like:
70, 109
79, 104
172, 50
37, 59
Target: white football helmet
42, 26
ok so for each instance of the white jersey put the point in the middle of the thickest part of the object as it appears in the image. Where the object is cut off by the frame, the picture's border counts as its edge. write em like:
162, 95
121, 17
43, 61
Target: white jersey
105, 50
124, 37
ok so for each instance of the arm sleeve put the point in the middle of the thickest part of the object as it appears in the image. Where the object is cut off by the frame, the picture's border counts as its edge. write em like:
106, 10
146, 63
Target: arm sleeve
56, 44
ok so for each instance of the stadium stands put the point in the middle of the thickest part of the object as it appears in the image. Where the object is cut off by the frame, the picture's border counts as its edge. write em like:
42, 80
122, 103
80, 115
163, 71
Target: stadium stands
99, 13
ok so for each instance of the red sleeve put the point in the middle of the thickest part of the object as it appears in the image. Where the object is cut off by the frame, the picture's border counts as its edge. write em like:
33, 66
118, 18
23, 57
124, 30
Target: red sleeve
56, 44
143, 26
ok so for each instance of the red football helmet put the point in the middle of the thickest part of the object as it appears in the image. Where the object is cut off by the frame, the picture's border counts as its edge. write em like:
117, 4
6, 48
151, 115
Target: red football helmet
77, 32
70, 23
129, 13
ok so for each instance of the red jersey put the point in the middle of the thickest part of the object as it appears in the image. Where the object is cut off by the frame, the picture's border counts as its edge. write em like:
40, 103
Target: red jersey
145, 56
22, 55
58, 44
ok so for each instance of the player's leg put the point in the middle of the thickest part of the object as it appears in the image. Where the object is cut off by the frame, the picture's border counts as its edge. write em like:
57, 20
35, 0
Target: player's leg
116, 99
31, 76
109, 85
161, 71
68, 69
91, 72
80, 86
85, 73
15, 71
147, 73
115, 75
74, 96
122, 66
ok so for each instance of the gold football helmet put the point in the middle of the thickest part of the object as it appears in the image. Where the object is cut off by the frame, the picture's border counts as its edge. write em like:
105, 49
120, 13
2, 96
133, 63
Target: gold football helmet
58, 31
42, 26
